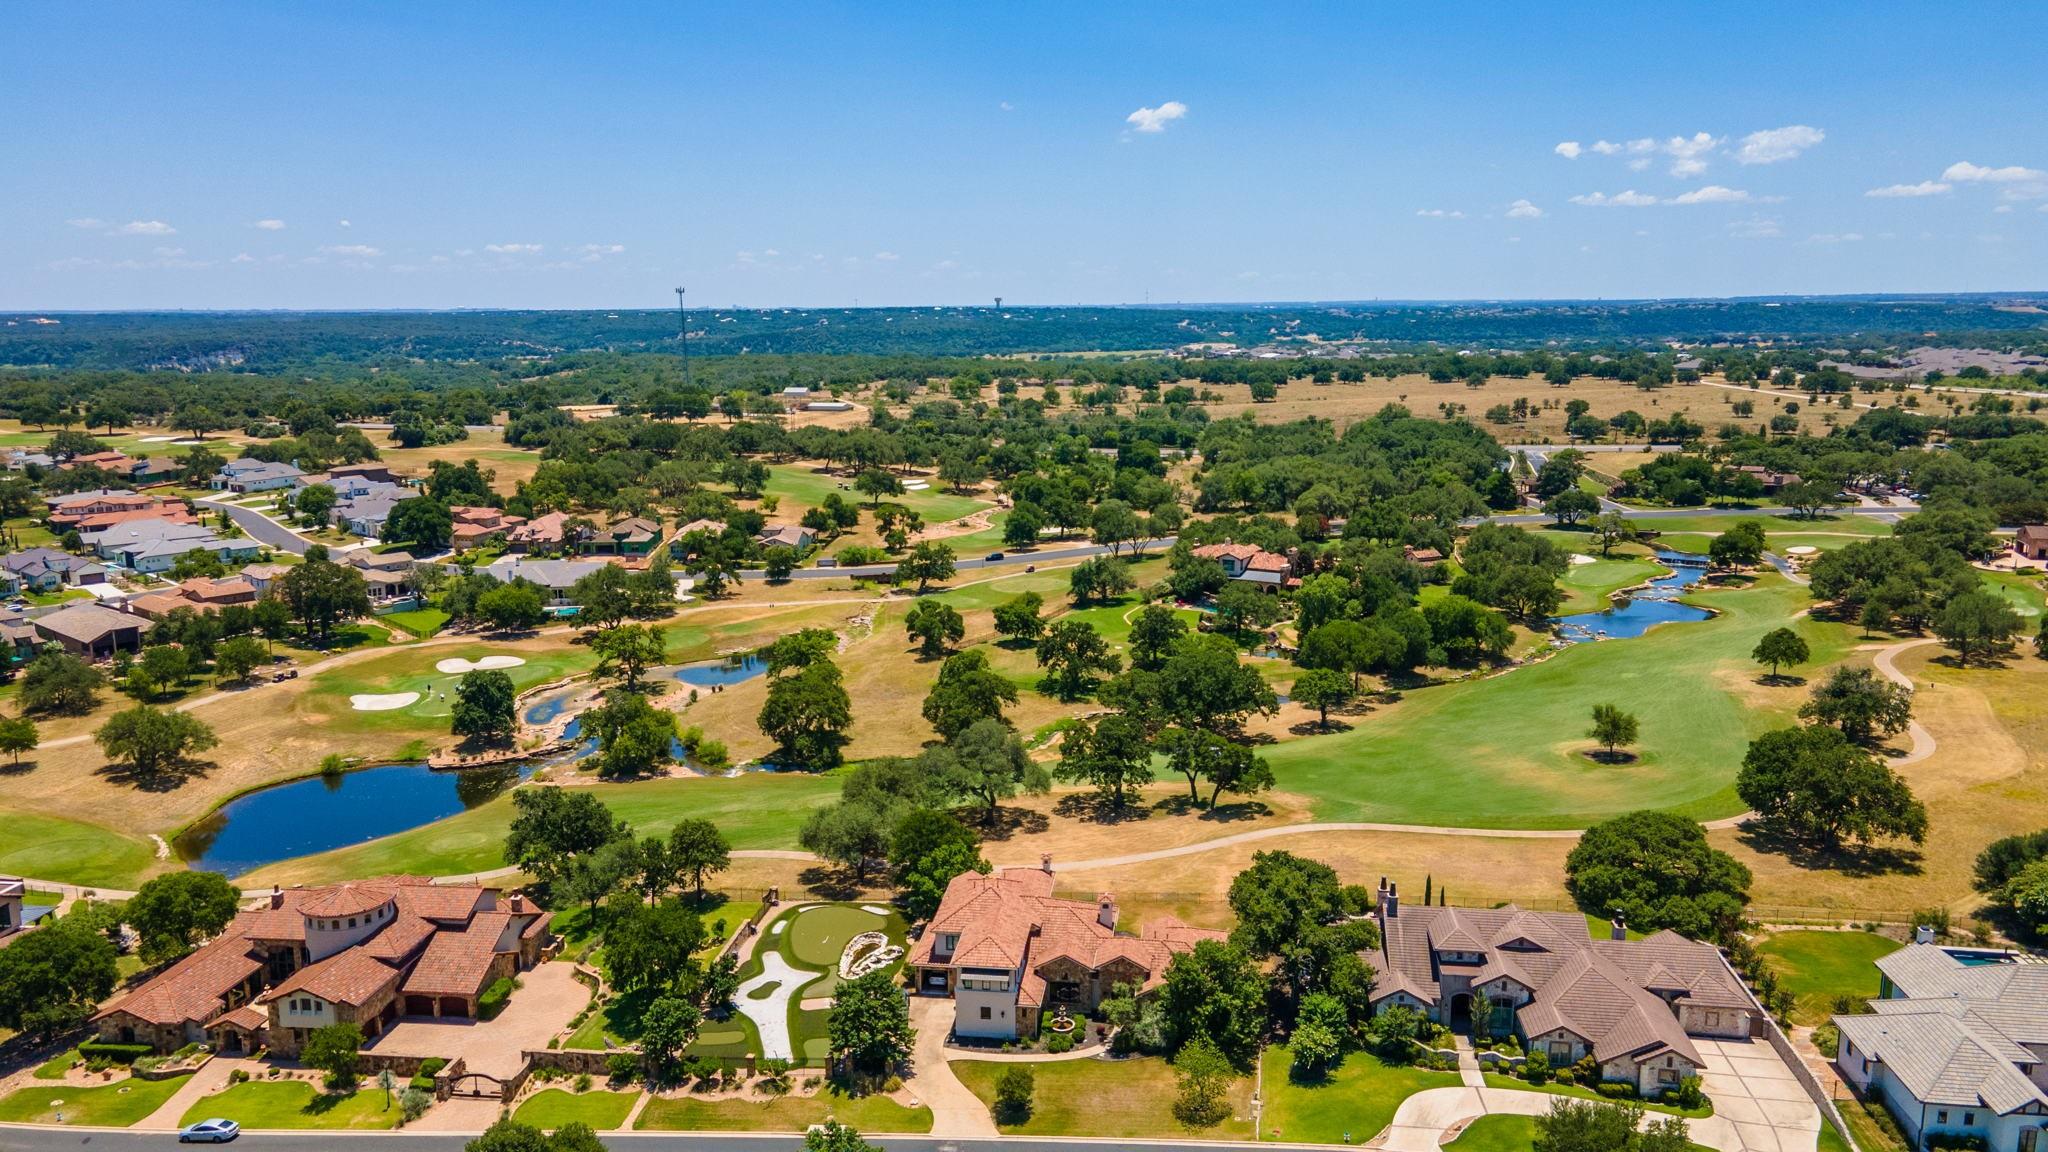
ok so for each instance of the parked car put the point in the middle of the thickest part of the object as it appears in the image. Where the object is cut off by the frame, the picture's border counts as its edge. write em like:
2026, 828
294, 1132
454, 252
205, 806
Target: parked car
214, 1131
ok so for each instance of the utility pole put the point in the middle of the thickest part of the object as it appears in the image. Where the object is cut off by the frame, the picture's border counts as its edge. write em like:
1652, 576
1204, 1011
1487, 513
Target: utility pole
683, 335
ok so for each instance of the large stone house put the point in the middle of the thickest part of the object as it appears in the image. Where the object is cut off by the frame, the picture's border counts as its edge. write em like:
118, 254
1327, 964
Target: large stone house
1955, 1047
363, 953
1007, 951
2031, 542
92, 631
1630, 1004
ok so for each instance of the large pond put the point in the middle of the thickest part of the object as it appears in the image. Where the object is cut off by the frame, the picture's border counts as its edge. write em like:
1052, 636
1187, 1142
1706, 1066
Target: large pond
325, 812
1646, 607
719, 673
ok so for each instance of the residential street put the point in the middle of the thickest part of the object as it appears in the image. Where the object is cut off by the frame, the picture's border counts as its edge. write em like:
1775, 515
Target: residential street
260, 527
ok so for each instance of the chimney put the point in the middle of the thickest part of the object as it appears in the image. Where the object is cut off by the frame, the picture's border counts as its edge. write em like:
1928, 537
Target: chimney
276, 896
1923, 934
1105, 910
1390, 905
1045, 863
1617, 928
518, 902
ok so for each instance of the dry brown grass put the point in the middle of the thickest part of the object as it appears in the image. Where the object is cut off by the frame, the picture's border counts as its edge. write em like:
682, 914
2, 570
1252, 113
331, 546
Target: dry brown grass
1986, 779
511, 465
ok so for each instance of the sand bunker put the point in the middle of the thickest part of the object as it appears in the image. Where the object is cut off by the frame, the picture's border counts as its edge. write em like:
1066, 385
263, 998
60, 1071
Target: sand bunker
374, 703
157, 439
457, 665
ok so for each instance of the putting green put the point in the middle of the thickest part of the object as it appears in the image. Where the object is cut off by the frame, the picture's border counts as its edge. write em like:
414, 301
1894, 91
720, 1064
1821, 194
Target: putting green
818, 935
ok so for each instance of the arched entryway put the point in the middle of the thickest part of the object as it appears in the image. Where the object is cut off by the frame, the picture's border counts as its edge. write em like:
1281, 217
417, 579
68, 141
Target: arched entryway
1461, 1012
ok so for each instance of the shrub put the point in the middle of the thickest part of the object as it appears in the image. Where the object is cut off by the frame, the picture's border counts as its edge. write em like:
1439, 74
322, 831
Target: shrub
1688, 1094
1935, 918
583, 1082
1059, 1042
1962, 1140
413, 1104
238, 1076
622, 1066
1537, 1069
114, 1053
1616, 1089
493, 1000
1828, 1039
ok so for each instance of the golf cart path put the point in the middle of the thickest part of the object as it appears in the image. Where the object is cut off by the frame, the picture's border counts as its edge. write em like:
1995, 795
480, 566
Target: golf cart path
1923, 744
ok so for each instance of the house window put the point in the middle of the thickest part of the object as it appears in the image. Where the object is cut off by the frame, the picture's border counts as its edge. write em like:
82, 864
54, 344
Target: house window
1667, 1076
1941, 1117
1969, 1119
351, 921
985, 1012
1560, 1052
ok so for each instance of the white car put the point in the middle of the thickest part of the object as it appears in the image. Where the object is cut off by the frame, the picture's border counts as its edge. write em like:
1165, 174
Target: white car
210, 1132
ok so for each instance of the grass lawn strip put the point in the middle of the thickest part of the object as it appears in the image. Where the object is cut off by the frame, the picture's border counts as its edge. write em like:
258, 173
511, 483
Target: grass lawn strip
1816, 967
1502, 1133
551, 1108
1359, 1098
115, 1105
295, 1104
869, 1114
71, 852
1107, 1099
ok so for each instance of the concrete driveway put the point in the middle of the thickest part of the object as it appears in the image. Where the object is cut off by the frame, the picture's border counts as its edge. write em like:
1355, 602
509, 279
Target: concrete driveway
1758, 1104
549, 997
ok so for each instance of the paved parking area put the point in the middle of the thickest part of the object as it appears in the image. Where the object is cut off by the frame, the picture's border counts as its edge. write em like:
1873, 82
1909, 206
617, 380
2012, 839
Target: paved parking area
1759, 1105
549, 997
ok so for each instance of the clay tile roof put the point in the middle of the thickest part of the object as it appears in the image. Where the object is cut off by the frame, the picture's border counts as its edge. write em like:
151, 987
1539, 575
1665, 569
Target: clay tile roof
350, 976
248, 1018
399, 940
438, 902
456, 963
1267, 562
346, 900
195, 988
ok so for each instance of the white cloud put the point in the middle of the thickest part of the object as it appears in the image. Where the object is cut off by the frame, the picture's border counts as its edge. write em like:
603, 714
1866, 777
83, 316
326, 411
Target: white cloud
344, 223
1628, 199
2003, 208
1005, 105
1688, 167
1523, 210
1964, 170
270, 225
1156, 119
243, 258
1605, 148
600, 249
1834, 238
146, 228
887, 256
1901, 191
92, 222
1755, 228
1711, 194
1441, 213
512, 249
1569, 149
170, 253
1640, 164
359, 251
1774, 144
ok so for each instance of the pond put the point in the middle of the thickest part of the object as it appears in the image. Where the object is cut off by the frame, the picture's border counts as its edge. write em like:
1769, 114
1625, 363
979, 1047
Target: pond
1644, 609
719, 673
325, 812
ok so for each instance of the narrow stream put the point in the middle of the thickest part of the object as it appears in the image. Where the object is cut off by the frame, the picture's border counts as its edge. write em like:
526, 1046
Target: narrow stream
1644, 609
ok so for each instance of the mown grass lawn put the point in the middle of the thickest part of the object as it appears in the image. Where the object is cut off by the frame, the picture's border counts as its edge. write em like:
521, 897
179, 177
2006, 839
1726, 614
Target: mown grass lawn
1816, 967
550, 1109
1358, 1100
420, 622
1505, 1133
295, 1104
115, 1105
1107, 1099
756, 810
71, 852
800, 488
868, 1114
1587, 587
1508, 751
411, 669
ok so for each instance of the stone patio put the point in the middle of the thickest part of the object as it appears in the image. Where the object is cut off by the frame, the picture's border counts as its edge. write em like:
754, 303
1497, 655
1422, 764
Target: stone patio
549, 997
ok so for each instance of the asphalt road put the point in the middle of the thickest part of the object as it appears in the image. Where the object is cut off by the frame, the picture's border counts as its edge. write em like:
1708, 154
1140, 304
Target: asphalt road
261, 528
50, 1139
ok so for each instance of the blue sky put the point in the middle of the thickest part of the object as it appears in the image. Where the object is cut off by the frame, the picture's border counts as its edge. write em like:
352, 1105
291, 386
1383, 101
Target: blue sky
510, 155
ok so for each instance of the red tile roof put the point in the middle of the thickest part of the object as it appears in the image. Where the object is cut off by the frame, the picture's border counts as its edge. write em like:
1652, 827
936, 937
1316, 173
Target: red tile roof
196, 987
346, 900
350, 976
456, 963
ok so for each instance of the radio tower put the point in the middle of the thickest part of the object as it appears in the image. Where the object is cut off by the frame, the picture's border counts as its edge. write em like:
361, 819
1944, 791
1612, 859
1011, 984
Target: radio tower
999, 303
683, 335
